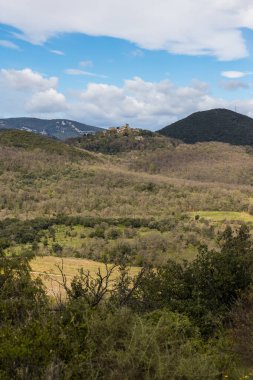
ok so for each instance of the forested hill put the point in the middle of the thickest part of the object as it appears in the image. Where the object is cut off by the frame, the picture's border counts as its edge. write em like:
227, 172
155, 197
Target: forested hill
19, 141
122, 139
214, 125
57, 128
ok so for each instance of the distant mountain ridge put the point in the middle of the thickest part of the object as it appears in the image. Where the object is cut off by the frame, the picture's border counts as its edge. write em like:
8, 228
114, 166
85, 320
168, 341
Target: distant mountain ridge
61, 129
220, 125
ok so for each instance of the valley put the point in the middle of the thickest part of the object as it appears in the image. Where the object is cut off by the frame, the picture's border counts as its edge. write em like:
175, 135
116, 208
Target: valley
126, 190
152, 199
126, 223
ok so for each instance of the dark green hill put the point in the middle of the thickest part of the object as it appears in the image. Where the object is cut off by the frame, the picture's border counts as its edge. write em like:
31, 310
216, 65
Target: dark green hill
215, 125
61, 129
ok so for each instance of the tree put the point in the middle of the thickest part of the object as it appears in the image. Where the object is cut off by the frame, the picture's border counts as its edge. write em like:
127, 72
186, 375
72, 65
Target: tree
206, 288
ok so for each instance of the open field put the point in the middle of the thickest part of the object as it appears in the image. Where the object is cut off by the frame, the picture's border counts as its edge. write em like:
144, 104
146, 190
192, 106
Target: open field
47, 268
218, 216
48, 264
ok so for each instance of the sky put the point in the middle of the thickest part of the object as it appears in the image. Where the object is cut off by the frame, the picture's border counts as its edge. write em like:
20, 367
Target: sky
110, 62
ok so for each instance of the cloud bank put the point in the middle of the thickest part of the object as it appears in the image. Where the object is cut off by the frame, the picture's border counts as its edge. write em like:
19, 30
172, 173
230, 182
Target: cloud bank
195, 27
149, 105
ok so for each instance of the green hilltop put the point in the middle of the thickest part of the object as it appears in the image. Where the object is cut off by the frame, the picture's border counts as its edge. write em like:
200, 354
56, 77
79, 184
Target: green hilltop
31, 141
122, 139
220, 125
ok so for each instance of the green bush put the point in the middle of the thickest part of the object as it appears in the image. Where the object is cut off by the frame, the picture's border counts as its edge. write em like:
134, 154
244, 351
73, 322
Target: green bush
153, 326
206, 288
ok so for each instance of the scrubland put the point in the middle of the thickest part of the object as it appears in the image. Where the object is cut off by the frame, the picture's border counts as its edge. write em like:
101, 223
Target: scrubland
151, 248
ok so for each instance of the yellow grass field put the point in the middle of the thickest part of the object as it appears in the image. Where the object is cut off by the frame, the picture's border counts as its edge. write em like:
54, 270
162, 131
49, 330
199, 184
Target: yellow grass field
218, 216
46, 267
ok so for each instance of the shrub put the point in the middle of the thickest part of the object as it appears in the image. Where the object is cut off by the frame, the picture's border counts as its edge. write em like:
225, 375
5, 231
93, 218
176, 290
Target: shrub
242, 331
113, 233
57, 248
206, 288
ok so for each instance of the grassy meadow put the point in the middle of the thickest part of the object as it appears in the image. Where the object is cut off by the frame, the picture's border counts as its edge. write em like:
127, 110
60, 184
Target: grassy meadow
219, 216
47, 268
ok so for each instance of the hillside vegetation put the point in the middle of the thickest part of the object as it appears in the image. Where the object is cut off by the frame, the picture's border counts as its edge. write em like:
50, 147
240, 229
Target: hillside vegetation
43, 178
153, 258
215, 125
144, 151
205, 162
59, 179
120, 140
163, 323
30, 142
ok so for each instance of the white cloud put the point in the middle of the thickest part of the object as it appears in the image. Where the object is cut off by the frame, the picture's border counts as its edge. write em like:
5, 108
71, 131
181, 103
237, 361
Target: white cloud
144, 104
48, 101
82, 72
27, 92
27, 79
149, 105
234, 74
234, 84
196, 27
87, 63
9, 45
57, 52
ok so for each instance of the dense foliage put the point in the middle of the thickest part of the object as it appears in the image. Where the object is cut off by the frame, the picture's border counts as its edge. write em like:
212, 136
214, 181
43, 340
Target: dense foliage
151, 205
159, 325
31, 141
141, 241
120, 140
215, 125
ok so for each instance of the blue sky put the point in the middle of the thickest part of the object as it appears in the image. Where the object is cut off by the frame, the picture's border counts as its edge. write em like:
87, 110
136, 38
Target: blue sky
111, 62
